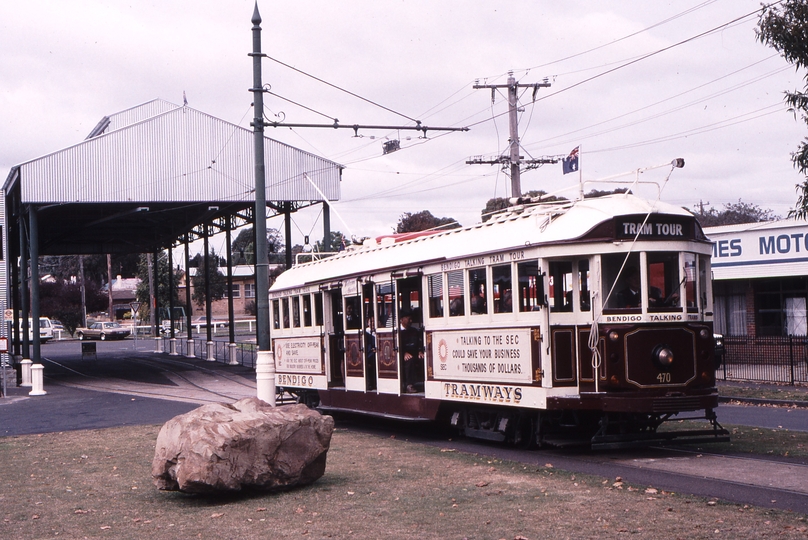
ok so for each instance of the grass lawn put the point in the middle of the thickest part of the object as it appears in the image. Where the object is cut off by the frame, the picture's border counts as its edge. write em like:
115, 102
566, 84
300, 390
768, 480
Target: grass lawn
97, 484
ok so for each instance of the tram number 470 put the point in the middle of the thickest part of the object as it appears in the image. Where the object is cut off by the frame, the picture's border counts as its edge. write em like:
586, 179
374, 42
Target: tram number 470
664, 377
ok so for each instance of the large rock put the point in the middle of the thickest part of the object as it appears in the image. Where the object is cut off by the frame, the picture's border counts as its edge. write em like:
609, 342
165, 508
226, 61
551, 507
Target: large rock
246, 445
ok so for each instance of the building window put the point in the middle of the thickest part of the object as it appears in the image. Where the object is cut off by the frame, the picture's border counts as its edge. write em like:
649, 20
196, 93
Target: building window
249, 290
236, 290
780, 306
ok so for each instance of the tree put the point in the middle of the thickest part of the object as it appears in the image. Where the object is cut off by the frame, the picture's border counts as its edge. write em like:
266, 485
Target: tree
66, 267
61, 300
423, 221
733, 214
218, 282
337, 242
243, 248
783, 26
162, 285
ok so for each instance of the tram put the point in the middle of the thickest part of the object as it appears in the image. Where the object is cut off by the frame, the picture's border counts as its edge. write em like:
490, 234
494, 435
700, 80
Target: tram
586, 321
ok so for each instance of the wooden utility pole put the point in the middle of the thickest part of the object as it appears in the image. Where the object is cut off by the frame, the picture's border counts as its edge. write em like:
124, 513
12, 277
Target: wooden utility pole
513, 160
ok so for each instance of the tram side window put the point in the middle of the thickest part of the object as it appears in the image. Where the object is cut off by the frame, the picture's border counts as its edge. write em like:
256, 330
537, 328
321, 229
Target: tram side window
478, 289
501, 277
435, 284
318, 309
621, 288
276, 314
285, 306
703, 281
353, 318
384, 305
296, 311
560, 286
663, 280
306, 310
583, 284
454, 281
531, 286
689, 279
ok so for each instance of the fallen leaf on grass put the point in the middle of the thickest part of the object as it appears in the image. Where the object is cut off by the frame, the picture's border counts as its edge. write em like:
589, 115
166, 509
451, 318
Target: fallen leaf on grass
481, 484
217, 515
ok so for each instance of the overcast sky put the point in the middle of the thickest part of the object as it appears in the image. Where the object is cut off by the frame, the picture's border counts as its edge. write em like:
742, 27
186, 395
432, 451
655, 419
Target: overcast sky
714, 100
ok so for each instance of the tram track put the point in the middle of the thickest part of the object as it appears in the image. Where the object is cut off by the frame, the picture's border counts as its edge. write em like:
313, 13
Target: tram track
193, 384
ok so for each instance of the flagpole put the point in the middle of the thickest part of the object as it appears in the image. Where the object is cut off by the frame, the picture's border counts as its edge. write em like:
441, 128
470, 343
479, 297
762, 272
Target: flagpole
580, 174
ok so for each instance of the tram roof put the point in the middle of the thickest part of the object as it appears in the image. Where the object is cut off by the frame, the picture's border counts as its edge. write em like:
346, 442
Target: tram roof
542, 224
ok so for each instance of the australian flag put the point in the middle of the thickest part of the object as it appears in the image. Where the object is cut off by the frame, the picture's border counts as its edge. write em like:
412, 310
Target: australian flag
570, 163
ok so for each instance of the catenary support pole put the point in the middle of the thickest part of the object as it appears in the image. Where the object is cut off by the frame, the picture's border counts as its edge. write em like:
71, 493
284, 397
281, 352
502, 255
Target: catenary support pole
265, 363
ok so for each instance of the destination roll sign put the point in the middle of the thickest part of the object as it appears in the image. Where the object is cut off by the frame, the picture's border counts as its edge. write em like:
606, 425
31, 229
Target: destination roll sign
629, 227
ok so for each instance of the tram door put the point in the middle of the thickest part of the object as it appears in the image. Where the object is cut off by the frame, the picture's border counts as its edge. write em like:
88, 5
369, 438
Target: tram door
369, 336
336, 339
570, 302
410, 339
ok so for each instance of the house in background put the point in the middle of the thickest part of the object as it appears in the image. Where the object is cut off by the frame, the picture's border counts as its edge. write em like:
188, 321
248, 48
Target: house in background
124, 292
243, 293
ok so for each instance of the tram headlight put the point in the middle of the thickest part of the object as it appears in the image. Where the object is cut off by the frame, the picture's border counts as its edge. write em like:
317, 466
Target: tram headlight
613, 335
663, 356
704, 333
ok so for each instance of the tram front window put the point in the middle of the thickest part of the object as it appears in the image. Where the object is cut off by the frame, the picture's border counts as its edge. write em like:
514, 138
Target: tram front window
663, 281
661, 276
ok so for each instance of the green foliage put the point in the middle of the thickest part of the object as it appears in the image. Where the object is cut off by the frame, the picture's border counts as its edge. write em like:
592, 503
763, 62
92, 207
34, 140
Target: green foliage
784, 27
62, 300
338, 240
162, 285
243, 247
733, 214
423, 221
218, 281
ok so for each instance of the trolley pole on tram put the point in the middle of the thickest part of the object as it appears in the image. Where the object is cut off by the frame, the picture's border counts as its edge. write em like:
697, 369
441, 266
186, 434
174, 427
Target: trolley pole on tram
265, 361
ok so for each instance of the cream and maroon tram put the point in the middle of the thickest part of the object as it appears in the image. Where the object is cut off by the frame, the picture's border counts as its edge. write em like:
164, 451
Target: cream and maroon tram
589, 319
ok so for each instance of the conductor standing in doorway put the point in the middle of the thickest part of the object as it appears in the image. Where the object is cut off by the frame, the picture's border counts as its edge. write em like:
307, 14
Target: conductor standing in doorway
412, 351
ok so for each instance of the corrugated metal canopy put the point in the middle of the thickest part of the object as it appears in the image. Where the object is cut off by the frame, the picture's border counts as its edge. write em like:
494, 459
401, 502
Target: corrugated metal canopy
152, 172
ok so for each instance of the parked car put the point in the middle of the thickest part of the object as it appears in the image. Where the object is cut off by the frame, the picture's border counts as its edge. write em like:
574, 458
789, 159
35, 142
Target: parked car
202, 322
103, 331
45, 329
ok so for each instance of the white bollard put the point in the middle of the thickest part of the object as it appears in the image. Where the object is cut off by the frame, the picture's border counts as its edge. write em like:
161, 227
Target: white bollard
26, 372
158, 344
232, 350
265, 376
210, 354
172, 347
190, 352
36, 380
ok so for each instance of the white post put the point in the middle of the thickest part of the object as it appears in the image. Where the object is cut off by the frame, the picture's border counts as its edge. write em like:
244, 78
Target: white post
265, 376
26, 372
36, 380
210, 355
158, 344
190, 352
233, 354
172, 347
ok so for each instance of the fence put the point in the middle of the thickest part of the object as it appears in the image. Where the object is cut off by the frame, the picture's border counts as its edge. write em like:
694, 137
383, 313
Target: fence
767, 359
245, 352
